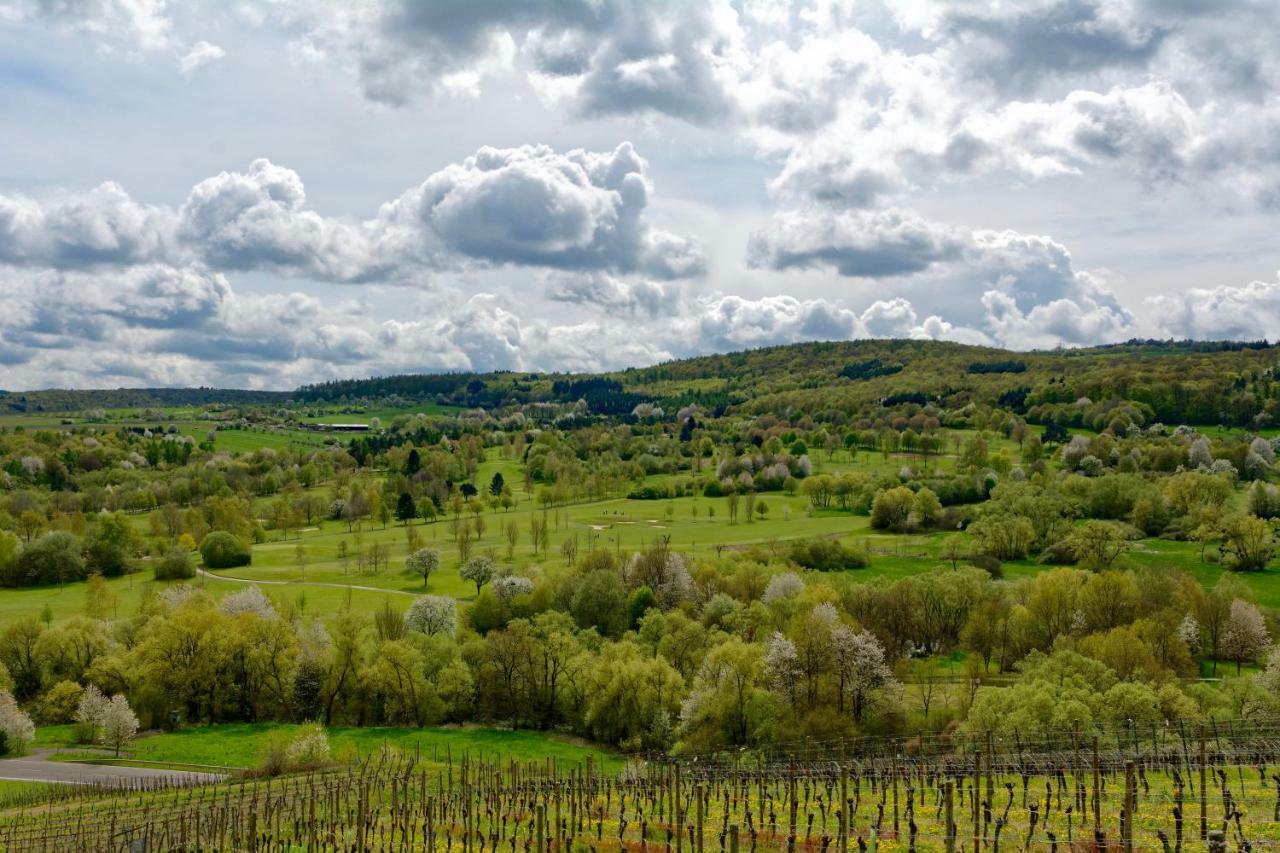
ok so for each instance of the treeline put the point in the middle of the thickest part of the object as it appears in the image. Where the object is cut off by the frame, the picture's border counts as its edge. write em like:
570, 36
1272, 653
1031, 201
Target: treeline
658, 651
61, 400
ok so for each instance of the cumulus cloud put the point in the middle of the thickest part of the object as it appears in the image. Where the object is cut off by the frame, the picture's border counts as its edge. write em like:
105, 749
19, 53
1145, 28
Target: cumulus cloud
1061, 322
259, 220
580, 211
949, 266
101, 227
530, 205
1247, 312
609, 56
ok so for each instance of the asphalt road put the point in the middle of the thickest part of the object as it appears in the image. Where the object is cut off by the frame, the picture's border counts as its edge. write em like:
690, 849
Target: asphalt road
36, 768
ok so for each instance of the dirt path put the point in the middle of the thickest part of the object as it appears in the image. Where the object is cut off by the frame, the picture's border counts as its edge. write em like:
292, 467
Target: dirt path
206, 574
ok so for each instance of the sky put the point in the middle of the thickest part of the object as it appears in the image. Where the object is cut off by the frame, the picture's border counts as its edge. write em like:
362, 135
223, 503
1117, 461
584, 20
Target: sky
268, 193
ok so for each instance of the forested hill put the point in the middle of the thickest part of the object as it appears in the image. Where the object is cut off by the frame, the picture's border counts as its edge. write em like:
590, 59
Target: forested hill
1192, 382
63, 400
1177, 382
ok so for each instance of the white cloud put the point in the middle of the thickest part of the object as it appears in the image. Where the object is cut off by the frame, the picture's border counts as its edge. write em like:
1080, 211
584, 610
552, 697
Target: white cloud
1247, 312
103, 226
529, 206
201, 54
132, 23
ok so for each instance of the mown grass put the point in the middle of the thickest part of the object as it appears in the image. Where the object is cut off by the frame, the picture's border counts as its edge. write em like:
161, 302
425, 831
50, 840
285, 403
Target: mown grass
241, 745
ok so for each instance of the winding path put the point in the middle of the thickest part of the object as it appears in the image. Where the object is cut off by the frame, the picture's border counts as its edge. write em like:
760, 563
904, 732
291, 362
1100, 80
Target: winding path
207, 574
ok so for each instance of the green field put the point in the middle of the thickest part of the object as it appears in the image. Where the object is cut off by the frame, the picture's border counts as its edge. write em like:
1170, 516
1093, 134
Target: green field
241, 745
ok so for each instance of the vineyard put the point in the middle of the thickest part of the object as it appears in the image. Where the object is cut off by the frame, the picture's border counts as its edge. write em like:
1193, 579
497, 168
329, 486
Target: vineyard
1164, 789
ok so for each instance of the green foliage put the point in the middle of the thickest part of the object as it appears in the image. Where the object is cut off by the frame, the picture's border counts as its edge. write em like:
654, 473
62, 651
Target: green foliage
53, 558
223, 550
176, 564
600, 602
827, 555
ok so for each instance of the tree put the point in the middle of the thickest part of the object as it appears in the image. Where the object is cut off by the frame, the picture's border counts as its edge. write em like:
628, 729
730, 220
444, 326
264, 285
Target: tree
1006, 537
1245, 634
53, 558
1098, 544
423, 562
478, 570
406, 509
88, 714
16, 727
727, 705
1248, 543
600, 602
175, 565
222, 550
432, 614
893, 509
952, 551
496, 485
118, 725
107, 549
864, 676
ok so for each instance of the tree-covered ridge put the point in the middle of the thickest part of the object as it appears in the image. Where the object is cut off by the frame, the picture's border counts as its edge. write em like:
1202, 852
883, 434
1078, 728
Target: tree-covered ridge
1173, 382
68, 400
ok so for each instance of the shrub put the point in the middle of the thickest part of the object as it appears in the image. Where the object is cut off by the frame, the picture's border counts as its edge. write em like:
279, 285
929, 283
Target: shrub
827, 555
175, 565
222, 550
53, 558
309, 748
59, 703
989, 564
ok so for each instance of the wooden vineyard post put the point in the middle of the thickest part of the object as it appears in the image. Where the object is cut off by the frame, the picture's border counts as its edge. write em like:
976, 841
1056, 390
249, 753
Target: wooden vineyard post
677, 818
973, 790
1130, 796
895, 799
842, 813
1204, 813
541, 826
950, 816
697, 793
733, 838
1097, 788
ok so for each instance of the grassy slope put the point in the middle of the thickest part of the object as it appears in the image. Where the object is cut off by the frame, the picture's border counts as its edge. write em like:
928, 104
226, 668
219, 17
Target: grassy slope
695, 525
241, 744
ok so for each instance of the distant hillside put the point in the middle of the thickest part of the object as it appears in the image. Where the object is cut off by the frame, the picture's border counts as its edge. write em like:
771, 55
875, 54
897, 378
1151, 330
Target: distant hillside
65, 400
1194, 382
1177, 381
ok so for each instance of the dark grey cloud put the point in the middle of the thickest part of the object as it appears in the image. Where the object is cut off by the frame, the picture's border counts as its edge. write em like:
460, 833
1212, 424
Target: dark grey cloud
865, 245
1016, 46
623, 56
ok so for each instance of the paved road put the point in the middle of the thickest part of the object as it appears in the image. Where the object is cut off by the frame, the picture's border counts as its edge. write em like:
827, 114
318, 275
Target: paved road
37, 768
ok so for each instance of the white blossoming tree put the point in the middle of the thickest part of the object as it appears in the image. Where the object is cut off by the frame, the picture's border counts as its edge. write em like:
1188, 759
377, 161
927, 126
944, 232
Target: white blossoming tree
118, 724
15, 726
432, 614
88, 716
251, 599
423, 562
